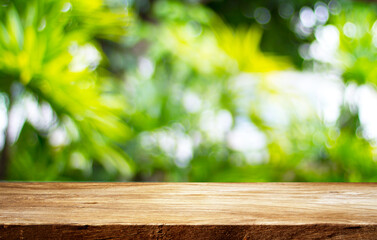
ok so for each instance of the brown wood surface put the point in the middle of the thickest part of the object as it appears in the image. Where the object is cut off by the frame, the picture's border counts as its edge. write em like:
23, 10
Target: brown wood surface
188, 210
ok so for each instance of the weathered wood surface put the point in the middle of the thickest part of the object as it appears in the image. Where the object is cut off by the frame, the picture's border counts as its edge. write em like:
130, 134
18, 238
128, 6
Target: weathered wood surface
188, 210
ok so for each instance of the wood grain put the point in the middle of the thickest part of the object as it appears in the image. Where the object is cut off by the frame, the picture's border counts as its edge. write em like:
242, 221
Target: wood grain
188, 210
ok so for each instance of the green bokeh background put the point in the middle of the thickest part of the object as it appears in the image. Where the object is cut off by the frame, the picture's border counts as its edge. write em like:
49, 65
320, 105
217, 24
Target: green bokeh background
156, 90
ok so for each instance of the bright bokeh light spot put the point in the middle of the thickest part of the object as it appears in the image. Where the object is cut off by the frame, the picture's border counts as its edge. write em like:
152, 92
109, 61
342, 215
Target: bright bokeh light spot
286, 10
325, 47
308, 91
146, 140
194, 28
58, 137
41, 116
145, 67
173, 142
66, 7
245, 136
367, 102
17, 117
350, 30
275, 113
374, 28
321, 12
42, 25
27, 108
192, 102
328, 36
307, 17
3, 118
3, 112
334, 7
304, 51
78, 161
215, 125
302, 31
183, 151
262, 15
374, 33
374, 40
84, 57
166, 141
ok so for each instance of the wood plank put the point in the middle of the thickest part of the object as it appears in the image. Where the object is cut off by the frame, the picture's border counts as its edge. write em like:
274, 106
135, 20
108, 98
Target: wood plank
188, 210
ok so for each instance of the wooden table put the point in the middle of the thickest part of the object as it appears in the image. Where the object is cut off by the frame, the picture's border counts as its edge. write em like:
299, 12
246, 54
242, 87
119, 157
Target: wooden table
188, 211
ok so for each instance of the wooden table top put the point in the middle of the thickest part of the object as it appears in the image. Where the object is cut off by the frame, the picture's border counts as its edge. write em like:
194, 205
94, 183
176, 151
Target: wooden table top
265, 205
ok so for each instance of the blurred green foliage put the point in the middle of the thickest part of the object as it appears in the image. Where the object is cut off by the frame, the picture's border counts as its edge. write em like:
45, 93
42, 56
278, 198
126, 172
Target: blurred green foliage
46, 48
187, 90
